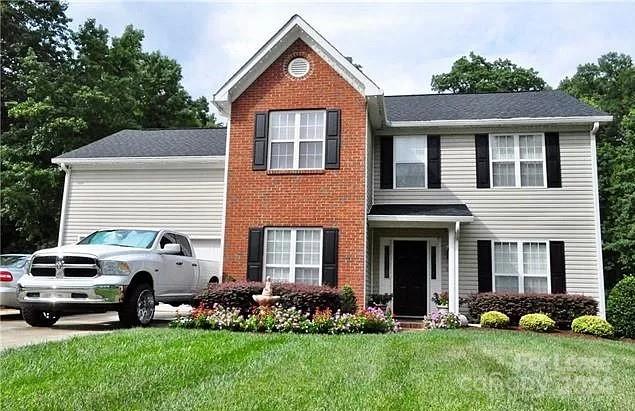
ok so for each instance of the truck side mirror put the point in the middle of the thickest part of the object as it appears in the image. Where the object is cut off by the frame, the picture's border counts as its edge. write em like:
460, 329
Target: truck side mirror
171, 249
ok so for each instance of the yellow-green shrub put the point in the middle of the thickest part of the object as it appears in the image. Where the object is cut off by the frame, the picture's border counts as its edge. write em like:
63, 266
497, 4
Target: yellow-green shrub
494, 319
537, 322
593, 325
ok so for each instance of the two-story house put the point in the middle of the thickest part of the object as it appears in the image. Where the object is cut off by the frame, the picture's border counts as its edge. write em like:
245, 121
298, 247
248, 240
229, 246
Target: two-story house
328, 181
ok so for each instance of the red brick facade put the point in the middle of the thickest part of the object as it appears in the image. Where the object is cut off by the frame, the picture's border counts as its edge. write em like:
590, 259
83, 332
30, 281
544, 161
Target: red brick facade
332, 198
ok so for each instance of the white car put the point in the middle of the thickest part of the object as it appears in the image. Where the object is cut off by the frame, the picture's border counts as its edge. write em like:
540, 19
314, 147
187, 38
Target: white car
124, 270
12, 268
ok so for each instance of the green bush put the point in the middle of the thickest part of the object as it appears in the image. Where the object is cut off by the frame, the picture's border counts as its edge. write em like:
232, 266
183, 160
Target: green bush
537, 322
562, 308
494, 319
620, 307
593, 325
348, 299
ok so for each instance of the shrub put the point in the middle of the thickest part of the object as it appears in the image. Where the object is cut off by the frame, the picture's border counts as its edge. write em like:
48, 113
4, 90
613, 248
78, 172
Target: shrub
380, 299
593, 325
373, 320
620, 307
441, 319
306, 298
348, 299
537, 322
494, 319
563, 308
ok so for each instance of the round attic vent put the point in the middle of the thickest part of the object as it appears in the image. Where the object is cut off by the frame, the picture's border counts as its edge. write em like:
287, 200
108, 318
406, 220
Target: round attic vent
298, 67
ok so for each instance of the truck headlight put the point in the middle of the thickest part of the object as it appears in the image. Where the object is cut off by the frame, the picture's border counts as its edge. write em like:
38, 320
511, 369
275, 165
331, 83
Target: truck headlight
114, 268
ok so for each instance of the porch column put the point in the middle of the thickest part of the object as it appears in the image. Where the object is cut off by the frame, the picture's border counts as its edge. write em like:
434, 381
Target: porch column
453, 267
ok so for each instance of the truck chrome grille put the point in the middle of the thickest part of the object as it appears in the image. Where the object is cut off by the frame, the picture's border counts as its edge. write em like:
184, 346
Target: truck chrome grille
72, 266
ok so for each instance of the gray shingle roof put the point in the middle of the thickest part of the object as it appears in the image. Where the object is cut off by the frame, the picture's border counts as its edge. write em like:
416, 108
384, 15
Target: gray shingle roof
445, 210
156, 143
534, 104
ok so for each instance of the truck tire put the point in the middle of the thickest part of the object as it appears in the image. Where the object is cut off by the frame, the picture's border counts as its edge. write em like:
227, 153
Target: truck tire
38, 318
138, 306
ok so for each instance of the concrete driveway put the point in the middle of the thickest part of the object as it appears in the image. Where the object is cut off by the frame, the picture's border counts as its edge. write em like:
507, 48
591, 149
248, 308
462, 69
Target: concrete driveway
14, 332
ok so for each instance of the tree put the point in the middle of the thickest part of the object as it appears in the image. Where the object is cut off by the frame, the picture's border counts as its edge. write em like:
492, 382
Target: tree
38, 25
609, 85
476, 75
102, 86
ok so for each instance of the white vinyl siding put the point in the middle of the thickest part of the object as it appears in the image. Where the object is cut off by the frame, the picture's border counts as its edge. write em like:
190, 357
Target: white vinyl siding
179, 199
296, 139
536, 213
293, 255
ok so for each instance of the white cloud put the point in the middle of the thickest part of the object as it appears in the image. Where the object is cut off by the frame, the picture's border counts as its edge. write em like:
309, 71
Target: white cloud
399, 45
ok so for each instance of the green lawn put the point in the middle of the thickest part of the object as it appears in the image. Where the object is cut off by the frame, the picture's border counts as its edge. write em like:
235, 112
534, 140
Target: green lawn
161, 369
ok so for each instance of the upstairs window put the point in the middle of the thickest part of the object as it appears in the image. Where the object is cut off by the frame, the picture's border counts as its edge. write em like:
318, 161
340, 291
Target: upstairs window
518, 160
410, 161
296, 139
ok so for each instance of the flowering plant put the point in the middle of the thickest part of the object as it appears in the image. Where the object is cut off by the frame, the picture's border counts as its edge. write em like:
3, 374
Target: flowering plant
441, 319
441, 299
280, 319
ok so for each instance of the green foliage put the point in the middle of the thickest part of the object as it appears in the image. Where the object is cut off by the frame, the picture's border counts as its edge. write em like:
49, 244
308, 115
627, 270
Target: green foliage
66, 89
609, 85
494, 319
593, 325
476, 75
537, 322
620, 307
349, 301
563, 308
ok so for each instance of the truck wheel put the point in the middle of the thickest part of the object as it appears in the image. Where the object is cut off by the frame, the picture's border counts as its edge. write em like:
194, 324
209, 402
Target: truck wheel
38, 318
138, 307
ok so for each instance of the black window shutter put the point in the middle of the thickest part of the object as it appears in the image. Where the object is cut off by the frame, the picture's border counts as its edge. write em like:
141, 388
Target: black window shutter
329, 256
552, 149
482, 160
556, 258
484, 257
254, 254
333, 127
386, 159
260, 141
434, 161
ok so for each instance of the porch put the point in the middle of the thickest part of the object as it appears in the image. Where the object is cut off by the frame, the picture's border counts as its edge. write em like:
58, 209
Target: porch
413, 253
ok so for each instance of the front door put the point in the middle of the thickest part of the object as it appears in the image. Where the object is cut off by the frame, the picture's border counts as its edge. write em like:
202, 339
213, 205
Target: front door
410, 276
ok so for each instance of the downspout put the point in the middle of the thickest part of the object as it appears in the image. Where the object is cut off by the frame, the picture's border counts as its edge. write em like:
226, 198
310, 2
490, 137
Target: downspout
67, 183
598, 228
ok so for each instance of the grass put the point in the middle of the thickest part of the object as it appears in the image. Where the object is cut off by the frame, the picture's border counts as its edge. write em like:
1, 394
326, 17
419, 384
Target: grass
164, 369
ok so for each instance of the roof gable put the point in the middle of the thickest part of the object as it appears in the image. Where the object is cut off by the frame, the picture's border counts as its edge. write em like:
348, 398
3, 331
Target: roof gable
295, 28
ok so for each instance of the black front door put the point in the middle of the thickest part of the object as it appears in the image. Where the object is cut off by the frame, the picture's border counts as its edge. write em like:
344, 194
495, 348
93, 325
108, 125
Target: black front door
410, 278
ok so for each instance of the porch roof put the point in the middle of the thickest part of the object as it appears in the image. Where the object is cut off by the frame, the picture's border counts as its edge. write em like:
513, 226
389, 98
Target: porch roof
421, 213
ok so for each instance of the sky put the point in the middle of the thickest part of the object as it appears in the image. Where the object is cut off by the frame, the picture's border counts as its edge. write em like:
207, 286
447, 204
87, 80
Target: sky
399, 45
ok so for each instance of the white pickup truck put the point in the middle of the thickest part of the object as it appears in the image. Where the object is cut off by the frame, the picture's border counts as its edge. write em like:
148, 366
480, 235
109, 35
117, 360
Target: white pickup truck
125, 270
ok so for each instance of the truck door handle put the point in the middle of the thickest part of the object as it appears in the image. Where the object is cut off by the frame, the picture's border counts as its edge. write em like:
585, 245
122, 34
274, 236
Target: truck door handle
179, 263
194, 265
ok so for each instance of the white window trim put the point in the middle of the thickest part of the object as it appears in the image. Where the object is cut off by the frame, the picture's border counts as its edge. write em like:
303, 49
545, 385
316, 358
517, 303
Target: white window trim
517, 160
394, 162
296, 140
521, 269
292, 265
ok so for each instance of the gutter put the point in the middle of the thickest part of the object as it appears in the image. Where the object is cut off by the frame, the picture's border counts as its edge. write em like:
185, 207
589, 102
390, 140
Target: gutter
212, 160
598, 227
501, 121
67, 183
